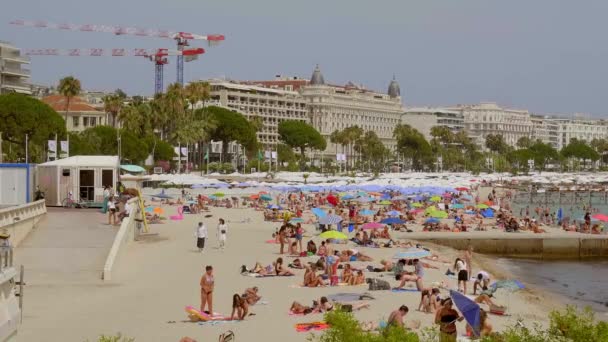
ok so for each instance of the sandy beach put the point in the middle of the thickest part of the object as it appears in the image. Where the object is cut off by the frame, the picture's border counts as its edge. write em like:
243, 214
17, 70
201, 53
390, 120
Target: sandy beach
160, 275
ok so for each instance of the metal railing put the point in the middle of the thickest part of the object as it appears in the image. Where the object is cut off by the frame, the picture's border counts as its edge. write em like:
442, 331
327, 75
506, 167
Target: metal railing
18, 71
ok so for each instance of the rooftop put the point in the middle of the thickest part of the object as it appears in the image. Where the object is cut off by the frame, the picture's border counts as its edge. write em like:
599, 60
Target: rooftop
85, 161
77, 104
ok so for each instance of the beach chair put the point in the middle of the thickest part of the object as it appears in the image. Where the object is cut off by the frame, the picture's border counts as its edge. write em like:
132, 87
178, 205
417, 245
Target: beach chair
228, 336
179, 216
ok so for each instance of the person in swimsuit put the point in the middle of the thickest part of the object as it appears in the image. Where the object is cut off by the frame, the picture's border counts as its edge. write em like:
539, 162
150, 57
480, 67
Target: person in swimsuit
280, 269
460, 268
207, 284
446, 317
347, 274
251, 295
240, 308
358, 279
396, 317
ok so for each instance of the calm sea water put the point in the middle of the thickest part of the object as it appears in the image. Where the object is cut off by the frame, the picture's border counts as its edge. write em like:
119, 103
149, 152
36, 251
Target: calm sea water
579, 283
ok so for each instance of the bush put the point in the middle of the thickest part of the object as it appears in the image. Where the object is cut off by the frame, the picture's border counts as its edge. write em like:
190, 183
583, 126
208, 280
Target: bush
569, 325
115, 338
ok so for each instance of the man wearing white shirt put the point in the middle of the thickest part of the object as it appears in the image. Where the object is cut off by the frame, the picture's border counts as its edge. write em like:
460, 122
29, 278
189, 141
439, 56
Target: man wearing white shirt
201, 234
482, 280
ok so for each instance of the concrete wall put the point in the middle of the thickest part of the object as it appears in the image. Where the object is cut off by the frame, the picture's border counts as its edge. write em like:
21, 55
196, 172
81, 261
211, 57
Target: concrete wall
529, 247
21, 219
125, 236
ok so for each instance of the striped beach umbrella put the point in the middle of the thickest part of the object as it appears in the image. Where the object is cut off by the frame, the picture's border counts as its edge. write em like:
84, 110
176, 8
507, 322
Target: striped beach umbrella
412, 253
330, 219
393, 213
373, 225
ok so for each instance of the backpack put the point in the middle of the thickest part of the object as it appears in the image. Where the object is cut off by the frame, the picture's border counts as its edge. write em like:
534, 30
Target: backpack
376, 284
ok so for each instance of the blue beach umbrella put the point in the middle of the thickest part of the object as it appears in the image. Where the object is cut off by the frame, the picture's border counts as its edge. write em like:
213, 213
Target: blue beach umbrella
319, 212
149, 209
348, 197
273, 206
432, 220
469, 309
412, 253
458, 206
393, 213
560, 214
367, 212
364, 199
330, 219
266, 198
392, 220
296, 220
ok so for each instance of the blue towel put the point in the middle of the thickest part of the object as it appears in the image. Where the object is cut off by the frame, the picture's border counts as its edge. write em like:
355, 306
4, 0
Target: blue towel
405, 290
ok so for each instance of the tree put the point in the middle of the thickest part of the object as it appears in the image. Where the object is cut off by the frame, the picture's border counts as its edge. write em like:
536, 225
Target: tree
69, 87
412, 144
232, 126
136, 118
374, 150
524, 142
113, 104
103, 140
300, 135
197, 92
580, 150
496, 143
21, 115
543, 154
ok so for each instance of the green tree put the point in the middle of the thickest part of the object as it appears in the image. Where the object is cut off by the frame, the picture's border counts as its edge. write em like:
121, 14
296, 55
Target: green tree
285, 154
21, 115
578, 149
524, 142
543, 154
371, 147
136, 118
232, 126
300, 135
496, 143
69, 87
197, 92
113, 104
412, 144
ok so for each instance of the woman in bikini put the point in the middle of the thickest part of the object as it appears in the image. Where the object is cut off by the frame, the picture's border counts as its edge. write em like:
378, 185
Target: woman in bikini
280, 269
358, 279
240, 308
207, 284
347, 274
311, 279
446, 317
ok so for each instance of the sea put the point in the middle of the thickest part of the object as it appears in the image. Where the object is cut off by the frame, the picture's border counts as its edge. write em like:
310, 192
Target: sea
580, 283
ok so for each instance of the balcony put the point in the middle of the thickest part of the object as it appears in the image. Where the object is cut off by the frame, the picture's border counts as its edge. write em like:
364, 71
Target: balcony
16, 71
14, 57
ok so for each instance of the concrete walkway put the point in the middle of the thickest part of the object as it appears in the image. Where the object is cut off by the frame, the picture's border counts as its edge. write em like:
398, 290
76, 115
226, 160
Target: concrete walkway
65, 252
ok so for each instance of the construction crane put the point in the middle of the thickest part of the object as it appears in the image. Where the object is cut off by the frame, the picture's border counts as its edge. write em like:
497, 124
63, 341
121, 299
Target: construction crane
158, 56
182, 38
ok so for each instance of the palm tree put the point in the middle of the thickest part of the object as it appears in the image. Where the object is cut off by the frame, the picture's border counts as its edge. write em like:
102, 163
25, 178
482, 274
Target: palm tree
196, 92
68, 87
113, 104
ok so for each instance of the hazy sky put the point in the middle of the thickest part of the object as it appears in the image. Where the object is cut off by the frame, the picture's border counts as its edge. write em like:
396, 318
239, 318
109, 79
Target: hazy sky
548, 56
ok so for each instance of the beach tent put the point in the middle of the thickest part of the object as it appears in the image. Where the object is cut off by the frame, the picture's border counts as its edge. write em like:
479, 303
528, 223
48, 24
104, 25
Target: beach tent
487, 213
83, 176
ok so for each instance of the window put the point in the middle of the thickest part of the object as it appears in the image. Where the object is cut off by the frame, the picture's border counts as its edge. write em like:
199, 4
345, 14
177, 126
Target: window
75, 121
93, 121
85, 121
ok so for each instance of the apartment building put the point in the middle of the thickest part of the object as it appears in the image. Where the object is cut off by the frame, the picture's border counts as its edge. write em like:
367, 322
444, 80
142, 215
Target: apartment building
425, 118
14, 77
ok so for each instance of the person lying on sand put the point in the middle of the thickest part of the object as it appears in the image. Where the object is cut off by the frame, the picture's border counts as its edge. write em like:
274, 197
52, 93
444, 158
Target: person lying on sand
297, 264
299, 309
281, 270
251, 295
324, 305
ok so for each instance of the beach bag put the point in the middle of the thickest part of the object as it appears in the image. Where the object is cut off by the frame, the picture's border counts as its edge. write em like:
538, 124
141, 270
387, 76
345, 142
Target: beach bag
378, 285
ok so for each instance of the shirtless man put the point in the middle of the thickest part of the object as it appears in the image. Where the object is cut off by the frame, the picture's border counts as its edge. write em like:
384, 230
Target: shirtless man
251, 295
396, 317
468, 258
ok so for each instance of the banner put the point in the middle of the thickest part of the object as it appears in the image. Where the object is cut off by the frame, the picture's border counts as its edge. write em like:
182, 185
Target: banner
184, 151
65, 146
274, 155
176, 153
267, 154
52, 146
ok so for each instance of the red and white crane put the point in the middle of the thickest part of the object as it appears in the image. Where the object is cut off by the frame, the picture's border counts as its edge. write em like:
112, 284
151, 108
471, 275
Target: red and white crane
182, 38
158, 56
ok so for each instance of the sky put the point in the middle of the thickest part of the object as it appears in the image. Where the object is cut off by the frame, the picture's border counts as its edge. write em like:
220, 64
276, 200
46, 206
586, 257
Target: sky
547, 56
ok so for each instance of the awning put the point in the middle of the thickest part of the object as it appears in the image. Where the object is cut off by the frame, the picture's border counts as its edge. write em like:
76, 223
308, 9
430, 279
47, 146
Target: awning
133, 168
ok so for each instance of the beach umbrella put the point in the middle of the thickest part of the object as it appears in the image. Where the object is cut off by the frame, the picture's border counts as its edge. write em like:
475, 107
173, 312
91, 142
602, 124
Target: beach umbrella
417, 205
469, 310
435, 199
373, 225
296, 220
330, 219
419, 198
458, 206
347, 197
273, 206
412, 253
447, 195
367, 212
430, 209
416, 211
560, 215
482, 206
393, 213
332, 234
162, 195
149, 209
462, 188
333, 200
385, 202
400, 198
266, 198
158, 210
487, 213
600, 217
364, 199
432, 220
219, 194
438, 214
319, 212
254, 197
392, 220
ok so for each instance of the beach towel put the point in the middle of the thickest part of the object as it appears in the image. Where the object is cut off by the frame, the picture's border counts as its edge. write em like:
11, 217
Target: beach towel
404, 290
257, 275
349, 297
271, 241
316, 326
217, 322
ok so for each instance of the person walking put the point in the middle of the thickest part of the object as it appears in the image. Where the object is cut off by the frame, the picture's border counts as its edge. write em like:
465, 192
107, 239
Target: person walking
222, 230
201, 235
112, 220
